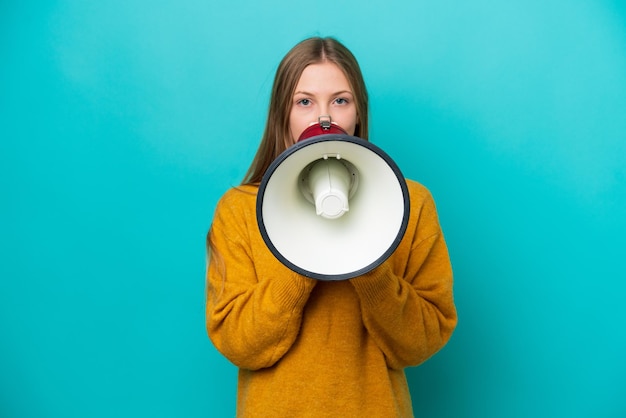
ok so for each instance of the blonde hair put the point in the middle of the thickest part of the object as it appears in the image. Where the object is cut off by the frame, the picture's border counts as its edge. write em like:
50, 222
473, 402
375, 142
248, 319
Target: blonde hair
277, 137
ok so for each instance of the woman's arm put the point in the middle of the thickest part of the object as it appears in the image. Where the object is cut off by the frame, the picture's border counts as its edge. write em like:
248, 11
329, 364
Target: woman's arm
407, 303
251, 319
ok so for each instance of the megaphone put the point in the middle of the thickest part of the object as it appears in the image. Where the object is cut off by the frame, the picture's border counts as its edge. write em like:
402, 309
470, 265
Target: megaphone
333, 206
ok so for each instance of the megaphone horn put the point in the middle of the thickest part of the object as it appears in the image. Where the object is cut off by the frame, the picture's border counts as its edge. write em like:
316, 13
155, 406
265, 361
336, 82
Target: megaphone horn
333, 206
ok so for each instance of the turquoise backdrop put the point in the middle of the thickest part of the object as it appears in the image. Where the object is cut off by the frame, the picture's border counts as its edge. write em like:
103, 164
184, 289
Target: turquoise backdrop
123, 122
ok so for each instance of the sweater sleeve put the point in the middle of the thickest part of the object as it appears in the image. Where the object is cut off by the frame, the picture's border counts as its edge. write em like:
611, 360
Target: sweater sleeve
251, 320
408, 309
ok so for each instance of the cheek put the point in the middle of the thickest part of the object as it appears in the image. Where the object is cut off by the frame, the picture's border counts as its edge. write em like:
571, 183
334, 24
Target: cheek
348, 122
296, 125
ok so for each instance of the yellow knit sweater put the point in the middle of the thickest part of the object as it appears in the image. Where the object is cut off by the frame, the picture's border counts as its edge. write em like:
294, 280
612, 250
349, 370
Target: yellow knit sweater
308, 348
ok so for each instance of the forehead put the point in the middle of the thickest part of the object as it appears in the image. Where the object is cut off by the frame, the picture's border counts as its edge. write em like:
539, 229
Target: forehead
323, 77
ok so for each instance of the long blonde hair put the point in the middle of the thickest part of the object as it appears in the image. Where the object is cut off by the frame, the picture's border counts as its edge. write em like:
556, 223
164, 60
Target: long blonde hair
277, 136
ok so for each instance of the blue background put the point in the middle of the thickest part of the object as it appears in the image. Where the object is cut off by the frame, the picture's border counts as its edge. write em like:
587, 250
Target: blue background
123, 122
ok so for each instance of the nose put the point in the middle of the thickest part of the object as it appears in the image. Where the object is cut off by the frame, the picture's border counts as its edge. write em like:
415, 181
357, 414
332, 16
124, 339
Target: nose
324, 110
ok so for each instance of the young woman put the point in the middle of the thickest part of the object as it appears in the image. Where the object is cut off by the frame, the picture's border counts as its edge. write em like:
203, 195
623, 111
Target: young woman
308, 348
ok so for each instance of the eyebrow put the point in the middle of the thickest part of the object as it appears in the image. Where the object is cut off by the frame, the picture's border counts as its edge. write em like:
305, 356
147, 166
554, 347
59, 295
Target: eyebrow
306, 93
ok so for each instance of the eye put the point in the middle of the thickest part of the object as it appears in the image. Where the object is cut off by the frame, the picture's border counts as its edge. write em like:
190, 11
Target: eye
341, 101
304, 102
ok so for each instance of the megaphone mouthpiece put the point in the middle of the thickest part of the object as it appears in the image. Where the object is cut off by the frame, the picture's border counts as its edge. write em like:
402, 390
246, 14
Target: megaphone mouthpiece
323, 126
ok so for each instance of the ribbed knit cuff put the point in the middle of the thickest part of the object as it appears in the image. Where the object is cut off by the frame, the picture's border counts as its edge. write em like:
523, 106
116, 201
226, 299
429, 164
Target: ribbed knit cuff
373, 287
292, 290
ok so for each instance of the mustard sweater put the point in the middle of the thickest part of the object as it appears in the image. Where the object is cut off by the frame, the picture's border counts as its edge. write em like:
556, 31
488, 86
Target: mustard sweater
308, 348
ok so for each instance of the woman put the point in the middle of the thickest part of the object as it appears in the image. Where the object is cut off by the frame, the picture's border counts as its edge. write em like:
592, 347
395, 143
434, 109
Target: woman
323, 348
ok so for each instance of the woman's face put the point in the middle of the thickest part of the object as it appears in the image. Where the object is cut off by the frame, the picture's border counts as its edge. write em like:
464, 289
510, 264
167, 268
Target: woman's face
323, 90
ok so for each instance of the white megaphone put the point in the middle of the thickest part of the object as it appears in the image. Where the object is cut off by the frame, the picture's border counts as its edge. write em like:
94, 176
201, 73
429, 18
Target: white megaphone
332, 206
